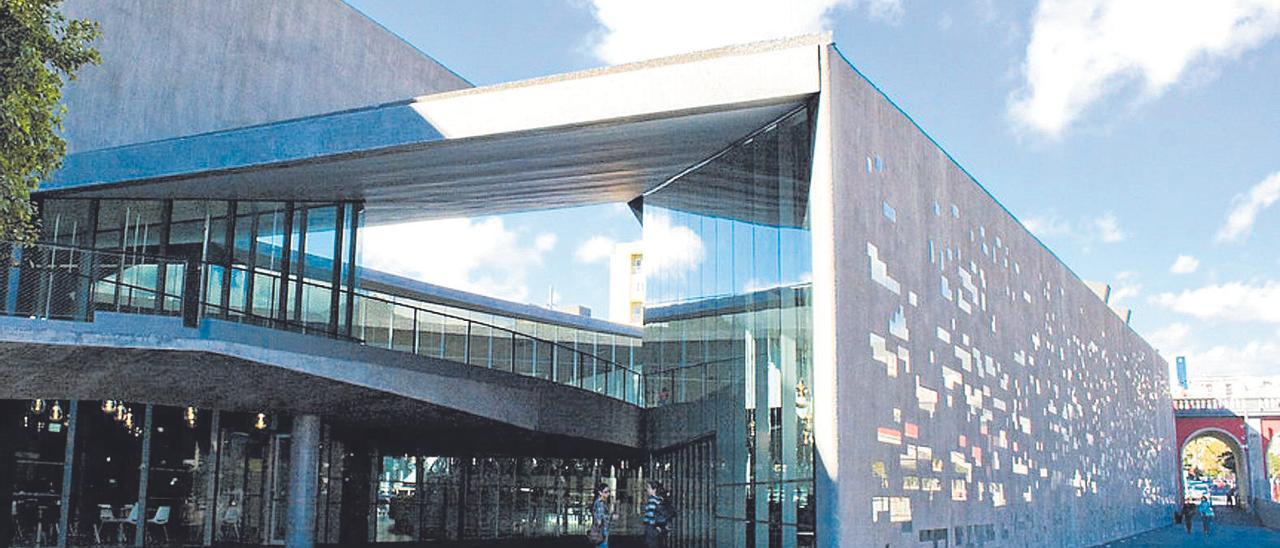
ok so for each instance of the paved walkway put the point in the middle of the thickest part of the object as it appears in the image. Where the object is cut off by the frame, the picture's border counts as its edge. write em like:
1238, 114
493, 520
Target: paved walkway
1232, 528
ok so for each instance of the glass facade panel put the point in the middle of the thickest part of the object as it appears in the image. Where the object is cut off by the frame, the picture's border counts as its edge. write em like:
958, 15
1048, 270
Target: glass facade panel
480, 344
726, 323
270, 263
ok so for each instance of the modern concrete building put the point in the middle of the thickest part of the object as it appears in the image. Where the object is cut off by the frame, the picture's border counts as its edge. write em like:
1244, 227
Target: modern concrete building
626, 283
866, 348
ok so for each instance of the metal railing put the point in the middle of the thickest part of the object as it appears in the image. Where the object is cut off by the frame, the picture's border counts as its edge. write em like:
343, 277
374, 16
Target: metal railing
51, 281
689, 383
1238, 406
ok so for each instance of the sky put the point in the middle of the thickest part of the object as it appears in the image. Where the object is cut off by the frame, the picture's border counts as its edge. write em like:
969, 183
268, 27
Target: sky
1138, 139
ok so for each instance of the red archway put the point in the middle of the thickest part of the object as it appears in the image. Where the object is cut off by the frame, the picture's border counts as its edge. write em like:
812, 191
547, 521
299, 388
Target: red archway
1230, 430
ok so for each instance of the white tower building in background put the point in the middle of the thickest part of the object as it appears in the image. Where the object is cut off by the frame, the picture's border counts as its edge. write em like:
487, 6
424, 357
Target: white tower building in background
626, 284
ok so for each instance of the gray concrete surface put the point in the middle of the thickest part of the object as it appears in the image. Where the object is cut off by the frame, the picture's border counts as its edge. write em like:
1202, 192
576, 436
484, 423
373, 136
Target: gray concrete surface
230, 366
181, 68
982, 393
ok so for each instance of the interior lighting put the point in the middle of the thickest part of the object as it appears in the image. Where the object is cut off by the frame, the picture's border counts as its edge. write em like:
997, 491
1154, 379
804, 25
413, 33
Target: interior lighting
262, 422
128, 420
108, 406
37, 406
121, 411
190, 415
55, 412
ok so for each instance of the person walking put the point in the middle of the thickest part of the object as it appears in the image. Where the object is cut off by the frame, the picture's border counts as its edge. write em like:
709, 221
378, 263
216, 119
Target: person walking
1188, 514
655, 516
601, 517
1206, 515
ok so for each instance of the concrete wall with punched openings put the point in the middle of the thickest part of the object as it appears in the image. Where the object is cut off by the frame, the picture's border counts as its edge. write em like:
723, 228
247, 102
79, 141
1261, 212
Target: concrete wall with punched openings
984, 395
172, 69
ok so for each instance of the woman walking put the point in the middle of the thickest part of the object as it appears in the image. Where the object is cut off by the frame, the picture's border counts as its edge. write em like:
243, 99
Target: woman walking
1206, 515
655, 516
600, 517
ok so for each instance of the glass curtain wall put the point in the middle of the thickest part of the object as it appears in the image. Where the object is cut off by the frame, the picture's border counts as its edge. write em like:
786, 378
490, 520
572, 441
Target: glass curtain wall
36, 445
272, 263
727, 344
489, 498
596, 361
204, 477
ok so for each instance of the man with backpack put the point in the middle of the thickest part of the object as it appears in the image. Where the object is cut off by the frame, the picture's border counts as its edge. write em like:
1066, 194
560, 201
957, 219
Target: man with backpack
657, 516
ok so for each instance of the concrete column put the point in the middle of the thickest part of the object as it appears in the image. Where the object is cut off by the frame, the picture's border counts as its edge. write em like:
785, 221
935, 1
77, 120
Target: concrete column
304, 464
211, 520
10, 421
1256, 467
68, 463
144, 476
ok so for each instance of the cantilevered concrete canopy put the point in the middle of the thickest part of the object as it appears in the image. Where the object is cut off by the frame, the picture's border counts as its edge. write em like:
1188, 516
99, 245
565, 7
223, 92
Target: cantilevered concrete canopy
234, 367
582, 138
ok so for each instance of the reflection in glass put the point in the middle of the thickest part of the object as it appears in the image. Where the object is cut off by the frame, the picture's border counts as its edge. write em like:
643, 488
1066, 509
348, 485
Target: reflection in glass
727, 344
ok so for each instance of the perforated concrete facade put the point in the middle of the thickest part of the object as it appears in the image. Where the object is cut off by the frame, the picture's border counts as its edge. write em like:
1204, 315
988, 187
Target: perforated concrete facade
981, 393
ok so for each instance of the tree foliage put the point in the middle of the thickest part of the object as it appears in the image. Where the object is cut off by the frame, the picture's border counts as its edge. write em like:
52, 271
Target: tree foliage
40, 50
1273, 459
1208, 457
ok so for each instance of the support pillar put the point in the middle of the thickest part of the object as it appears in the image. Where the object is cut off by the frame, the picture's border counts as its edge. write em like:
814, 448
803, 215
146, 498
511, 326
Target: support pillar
211, 520
1255, 468
304, 465
68, 464
144, 476
10, 421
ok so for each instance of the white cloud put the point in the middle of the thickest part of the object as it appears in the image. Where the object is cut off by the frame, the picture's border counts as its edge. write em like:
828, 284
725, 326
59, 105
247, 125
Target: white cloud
595, 249
945, 22
1171, 339
1109, 228
1245, 208
1184, 264
632, 31
1125, 287
669, 248
478, 255
1105, 228
1047, 226
1083, 50
545, 242
885, 10
1252, 357
1234, 301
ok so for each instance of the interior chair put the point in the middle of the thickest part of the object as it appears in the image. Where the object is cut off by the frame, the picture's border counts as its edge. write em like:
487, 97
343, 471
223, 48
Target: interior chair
231, 520
105, 516
161, 520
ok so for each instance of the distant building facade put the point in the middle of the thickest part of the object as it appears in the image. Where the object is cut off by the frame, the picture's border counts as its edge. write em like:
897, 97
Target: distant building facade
626, 283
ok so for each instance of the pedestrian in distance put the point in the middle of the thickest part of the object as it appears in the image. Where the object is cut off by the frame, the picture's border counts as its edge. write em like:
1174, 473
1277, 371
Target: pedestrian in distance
601, 517
1188, 514
656, 515
1206, 515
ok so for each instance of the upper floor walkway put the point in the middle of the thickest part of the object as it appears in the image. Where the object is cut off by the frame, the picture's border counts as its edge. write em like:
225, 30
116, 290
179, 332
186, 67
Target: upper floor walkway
101, 325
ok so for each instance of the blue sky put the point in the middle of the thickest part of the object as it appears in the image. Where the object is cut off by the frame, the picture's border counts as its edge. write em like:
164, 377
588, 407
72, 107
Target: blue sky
1140, 140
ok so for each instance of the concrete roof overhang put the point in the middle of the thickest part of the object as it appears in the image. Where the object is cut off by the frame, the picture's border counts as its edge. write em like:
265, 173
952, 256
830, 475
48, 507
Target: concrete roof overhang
583, 138
398, 397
